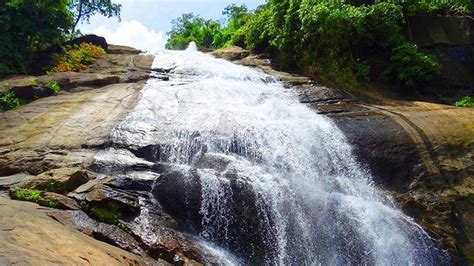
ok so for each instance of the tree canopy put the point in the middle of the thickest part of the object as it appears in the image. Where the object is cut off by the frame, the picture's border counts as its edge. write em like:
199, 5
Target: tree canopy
334, 41
30, 26
83, 10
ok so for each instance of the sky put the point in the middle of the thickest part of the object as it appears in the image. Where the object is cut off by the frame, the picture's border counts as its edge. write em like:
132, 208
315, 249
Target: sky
145, 22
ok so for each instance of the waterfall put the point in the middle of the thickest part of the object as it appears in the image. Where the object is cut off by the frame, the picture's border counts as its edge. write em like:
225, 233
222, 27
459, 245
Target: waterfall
278, 183
192, 47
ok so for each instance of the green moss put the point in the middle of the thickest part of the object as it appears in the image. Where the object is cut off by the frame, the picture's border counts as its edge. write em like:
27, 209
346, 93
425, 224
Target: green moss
34, 82
53, 204
108, 213
26, 194
33, 195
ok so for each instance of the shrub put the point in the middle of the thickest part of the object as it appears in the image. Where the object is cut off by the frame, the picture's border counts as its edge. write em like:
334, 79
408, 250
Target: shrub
54, 86
412, 67
76, 58
29, 26
465, 101
8, 100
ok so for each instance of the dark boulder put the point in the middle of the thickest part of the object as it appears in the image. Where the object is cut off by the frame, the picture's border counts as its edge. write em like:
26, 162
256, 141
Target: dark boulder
90, 38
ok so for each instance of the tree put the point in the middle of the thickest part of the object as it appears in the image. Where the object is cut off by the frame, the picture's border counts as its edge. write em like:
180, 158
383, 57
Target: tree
29, 26
83, 10
235, 12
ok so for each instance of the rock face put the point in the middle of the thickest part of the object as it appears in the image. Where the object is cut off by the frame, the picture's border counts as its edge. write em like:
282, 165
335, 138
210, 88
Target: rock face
47, 144
29, 235
423, 152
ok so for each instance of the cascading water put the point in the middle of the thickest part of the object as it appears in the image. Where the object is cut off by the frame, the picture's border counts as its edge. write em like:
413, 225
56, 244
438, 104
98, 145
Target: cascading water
278, 182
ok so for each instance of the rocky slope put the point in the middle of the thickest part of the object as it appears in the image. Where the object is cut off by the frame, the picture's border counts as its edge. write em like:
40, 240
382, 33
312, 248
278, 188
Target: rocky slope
420, 151
63, 133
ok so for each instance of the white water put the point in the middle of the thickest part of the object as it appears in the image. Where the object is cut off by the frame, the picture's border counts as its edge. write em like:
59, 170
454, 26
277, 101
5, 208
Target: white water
316, 205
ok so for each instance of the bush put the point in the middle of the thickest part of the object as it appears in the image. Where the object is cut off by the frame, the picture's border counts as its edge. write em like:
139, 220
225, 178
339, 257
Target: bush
465, 101
8, 100
76, 58
257, 31
54, 86
412, 67
29, 26
340, 42
447, 7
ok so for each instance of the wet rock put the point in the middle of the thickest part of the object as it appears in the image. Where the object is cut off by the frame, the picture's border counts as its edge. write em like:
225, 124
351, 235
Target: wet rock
118, 161
60, 180
179, 192
133, 184
107, 233
102, 195
89, 186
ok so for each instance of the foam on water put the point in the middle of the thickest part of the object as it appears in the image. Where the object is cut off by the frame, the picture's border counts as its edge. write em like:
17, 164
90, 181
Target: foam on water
317, 204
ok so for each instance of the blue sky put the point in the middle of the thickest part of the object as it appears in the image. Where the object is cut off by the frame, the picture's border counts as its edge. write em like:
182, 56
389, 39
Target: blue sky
145, 22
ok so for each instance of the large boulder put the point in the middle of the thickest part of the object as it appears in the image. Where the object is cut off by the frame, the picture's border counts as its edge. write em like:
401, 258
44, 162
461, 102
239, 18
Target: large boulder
90, 38
231, 53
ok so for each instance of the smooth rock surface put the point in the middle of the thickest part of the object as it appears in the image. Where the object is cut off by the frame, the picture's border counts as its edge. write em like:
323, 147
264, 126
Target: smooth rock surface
55, 138
29, 236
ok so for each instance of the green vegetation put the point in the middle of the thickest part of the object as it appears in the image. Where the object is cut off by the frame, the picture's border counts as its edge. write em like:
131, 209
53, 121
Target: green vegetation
34, 82
410, 66
31, 26
339, 42
25, 194
108, 213
209, 33
32, 195
76, 58
54, 86
53, 204
465, 101
8, 100
28, 26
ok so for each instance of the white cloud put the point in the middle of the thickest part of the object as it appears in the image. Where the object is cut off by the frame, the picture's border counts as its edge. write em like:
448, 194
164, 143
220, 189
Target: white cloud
133, 33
